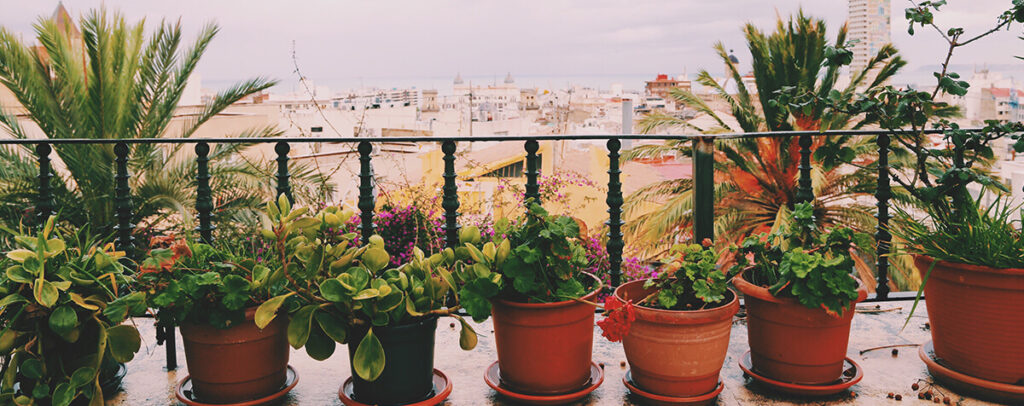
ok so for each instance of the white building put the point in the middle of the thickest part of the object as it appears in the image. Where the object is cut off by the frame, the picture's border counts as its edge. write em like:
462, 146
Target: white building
869, 25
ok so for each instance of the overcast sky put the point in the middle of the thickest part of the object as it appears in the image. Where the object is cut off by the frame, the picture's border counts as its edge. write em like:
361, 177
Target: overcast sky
345, 40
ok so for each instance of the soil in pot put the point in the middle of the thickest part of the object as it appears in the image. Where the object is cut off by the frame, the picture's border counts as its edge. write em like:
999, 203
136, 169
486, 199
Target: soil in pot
790, 342
545, 348
975, 318
676, 353
239, 363
408, 367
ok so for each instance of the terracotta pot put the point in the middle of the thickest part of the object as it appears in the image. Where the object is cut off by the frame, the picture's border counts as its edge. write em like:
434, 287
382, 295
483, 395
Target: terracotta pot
975, 318
545, 348
239, 363
676, 353
408, 374
792, 343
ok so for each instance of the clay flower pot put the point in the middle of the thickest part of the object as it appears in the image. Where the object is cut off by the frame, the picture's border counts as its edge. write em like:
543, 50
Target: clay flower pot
239, 363
408, 364
790, 342
676, 353
975, 318
545, 348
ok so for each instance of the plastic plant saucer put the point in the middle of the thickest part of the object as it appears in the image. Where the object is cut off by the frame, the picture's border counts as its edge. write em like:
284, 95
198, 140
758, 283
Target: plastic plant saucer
493, 379
661, 400
1003, 392
184, 392
345, 392
845, 381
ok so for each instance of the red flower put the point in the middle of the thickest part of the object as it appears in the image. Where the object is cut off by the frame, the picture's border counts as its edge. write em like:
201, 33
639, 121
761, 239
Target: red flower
618, 318
180, 249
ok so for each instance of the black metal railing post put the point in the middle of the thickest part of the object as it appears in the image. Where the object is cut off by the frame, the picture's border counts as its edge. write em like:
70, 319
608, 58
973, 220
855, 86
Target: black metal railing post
44, 204
614, 200
804, 192
532, 171
367, 192
703, 189
204, 195
283, 188
122, 200
450, 196
883, 238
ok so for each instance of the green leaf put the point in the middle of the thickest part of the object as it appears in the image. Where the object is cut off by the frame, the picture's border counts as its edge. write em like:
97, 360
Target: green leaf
45, 293
32, 369
41, 390
18, 274
131, 304
319, 346
236, 292
332, 326
63, 394
63, 320
375, 259
333, 290
366, 294
83, 376
667, 299
298, 328
11, 299
467, 336
266, 312
410, 307
368, 361
20, 255
123, 341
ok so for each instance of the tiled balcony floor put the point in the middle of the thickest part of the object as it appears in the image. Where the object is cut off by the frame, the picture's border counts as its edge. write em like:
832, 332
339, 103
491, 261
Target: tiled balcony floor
147, 383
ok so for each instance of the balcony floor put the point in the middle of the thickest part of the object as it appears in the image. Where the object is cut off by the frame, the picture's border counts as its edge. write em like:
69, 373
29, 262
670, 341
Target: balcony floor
147, 383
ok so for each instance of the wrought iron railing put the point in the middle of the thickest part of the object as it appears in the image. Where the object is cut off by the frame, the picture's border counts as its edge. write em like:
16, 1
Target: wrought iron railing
703, 174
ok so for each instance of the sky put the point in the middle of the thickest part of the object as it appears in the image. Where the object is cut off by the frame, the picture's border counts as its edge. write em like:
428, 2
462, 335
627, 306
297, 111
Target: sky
349, 41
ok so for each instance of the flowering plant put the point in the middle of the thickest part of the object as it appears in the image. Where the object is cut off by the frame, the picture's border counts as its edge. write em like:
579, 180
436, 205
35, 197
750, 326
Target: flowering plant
799, 260
337, 293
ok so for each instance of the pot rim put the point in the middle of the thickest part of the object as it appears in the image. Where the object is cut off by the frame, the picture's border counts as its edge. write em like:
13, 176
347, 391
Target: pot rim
762, 293
589, 296
927, 260
698, 312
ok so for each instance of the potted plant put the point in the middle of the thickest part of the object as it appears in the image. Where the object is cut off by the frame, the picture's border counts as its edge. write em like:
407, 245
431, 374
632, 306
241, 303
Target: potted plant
799, 295
675, 327
349, 295
61, 318
529, 280
211, 292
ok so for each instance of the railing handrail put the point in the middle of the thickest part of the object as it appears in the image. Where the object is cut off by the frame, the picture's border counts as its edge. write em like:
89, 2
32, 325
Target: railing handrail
477, 138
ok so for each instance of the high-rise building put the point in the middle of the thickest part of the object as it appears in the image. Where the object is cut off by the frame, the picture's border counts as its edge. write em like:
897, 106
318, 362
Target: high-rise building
869, 26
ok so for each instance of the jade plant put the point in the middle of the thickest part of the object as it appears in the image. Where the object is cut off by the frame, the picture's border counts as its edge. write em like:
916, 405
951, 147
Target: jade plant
334, 290
800, 260
61, 317
688, 279
537, 259
198, 283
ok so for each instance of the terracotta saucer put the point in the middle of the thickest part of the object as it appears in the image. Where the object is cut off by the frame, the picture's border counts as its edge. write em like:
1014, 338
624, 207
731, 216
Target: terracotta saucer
1002, 392
441, 380
184, 392
845, 381
661, 400
493, 379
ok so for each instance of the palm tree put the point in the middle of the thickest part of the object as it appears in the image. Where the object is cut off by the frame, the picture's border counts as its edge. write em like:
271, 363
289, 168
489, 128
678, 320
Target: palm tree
756, 178
110, 82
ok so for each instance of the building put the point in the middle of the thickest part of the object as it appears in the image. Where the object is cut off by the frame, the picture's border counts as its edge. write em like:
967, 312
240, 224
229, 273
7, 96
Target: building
662, 84
1000, 103
869, 26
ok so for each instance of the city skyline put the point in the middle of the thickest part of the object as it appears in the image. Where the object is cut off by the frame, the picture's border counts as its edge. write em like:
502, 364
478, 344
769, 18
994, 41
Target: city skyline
350, 43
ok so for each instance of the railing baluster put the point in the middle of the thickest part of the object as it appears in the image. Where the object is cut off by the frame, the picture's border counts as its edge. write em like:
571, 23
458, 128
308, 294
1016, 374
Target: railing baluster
367, 195
44, 205
882, 236
804, 191
450, 199
204, 195
283, 188
532, 170
703, 189
122, 200
614, 201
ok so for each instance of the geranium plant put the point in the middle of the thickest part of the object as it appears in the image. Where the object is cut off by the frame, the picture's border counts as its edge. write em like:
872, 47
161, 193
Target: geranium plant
799, 260
536, 259
61, 319
334, 290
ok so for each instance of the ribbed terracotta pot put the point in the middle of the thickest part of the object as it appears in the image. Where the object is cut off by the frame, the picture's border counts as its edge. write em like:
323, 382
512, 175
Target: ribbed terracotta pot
676, 353
975, 315
792, 343
239, 363
545, 348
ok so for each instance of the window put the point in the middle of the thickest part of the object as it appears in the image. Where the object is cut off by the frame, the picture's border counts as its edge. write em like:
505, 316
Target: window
513, 170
